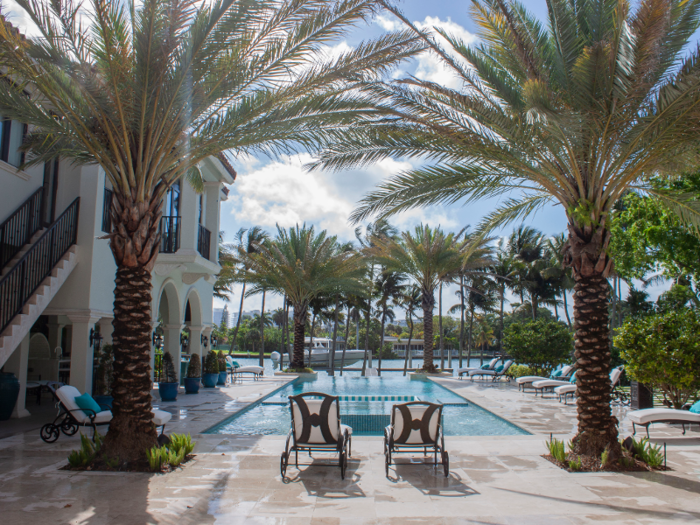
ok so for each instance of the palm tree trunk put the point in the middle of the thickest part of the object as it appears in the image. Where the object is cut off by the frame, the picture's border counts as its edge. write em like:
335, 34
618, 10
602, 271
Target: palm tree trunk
311, 336
238, 321
566, 311
556, 311
345, 346
364, 358
409, 318
461, 319
299, 325
535, 305
469, 344
428, 307
261, 357
368, 352
335, 334
381, 341
500, 337
442, 347
131, 431
614, 310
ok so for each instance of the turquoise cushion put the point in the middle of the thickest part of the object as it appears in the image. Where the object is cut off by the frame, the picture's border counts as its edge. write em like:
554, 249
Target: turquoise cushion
86, 402
499, 369
485, 367
695, 409
556, 373
573, 378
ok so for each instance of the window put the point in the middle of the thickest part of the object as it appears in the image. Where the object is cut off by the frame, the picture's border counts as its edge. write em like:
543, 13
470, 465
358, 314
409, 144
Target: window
172, 201
50, 190
201, 209
12, 136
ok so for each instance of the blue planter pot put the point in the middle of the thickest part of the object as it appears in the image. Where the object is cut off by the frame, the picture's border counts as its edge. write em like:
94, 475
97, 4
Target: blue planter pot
222, 379
104, 401
9, 392
168, 391
210, 380
192, 385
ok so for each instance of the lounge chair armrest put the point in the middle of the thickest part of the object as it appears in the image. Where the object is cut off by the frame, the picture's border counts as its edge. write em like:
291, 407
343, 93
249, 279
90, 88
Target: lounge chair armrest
105, 407
87, 411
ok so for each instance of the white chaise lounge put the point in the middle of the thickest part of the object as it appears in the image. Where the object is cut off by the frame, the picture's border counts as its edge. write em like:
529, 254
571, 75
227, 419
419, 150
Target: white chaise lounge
526, 381
71, 416
648, 416
570, 389
490, 366
493, 374
257, 372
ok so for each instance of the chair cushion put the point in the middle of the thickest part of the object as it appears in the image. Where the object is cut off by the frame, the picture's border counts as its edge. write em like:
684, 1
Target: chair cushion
161, 417
343, 428
499, 369
549, 383
417, 412
252, 368
87, 403
529, 379
316, 435
565, 389
649, 415
695, 409
572, 379
487, 366
102, 417
556, 373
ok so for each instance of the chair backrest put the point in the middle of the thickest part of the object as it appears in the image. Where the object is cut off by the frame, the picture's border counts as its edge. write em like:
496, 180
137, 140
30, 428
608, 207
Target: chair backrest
229, 361
492, 363
315, 418
416, 422
66, 395
615, 375
566, 370
506, 366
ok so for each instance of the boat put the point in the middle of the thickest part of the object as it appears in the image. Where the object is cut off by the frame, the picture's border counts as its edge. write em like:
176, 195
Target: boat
320, 354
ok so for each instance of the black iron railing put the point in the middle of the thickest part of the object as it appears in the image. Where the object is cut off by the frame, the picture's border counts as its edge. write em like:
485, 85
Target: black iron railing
106, 215
36, 265
204, 242
170, 232
19, 227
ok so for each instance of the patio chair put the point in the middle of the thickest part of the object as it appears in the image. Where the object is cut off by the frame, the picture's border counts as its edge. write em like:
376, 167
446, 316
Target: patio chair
648, 416
316, 427
416, 426
489, 366
256, 371
526, 381
71, 416
495, 375
569, 389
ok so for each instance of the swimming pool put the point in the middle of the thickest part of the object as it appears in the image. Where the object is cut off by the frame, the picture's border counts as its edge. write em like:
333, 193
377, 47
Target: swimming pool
370, 413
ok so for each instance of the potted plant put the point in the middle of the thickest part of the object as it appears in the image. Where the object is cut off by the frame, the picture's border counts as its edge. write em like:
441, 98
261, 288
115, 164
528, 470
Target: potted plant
168, 387
194, 375
222, 369
104, 375
211, 370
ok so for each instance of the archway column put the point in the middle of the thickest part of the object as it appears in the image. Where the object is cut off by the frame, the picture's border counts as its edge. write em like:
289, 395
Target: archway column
17, 364
196, 339
171, 344
82, 353
106, 330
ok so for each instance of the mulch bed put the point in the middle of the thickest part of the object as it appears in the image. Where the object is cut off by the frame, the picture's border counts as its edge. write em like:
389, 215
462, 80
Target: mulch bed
589, 465
141, 466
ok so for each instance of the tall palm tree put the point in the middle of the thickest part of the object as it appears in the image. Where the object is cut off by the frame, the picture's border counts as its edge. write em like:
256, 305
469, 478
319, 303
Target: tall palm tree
427, 257
389, 287
556, 269
411, 301
148, 90
303, 265
575, 112
247, 239
503, 271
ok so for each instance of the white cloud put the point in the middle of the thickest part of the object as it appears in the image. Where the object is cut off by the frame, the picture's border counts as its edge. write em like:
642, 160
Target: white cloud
388, 24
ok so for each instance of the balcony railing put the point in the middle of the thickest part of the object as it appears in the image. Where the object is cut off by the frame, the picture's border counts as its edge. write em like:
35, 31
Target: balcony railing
19, 227
106, 214
204, 242
170, 232
36, 265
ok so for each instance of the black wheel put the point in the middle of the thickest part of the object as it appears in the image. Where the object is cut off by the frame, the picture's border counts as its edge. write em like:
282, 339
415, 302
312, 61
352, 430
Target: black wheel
342, 461
49, 433
446, 463
68, 427
283, 465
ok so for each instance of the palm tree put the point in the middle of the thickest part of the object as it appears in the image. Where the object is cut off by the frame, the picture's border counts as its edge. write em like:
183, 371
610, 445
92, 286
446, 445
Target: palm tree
428, 256
411, 301
503, 270
248, 240
148, 90
389, 287
302, 265
576, 113
556, 269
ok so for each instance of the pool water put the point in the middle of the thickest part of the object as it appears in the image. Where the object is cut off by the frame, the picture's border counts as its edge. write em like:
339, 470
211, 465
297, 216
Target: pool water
369, 415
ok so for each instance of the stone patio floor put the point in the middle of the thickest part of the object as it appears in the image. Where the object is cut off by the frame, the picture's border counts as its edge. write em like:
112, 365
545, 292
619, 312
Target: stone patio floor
235, 479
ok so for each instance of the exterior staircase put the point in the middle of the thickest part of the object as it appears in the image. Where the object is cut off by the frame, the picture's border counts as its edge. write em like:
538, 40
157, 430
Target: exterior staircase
33, 275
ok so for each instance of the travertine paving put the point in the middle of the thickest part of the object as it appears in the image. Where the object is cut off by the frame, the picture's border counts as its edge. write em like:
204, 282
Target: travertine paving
235, 479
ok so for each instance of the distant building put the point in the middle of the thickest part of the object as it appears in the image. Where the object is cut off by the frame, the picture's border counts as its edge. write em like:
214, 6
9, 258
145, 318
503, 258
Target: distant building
221, 314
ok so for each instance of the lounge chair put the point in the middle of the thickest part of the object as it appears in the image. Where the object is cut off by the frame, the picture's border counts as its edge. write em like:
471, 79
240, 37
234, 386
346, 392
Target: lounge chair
316, 427
416, 426
71, 416
570, 389
489, 366
496, 374
648, 416
257, 372
525, 381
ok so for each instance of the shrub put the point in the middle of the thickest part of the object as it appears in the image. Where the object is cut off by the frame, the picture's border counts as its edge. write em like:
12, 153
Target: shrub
194, 369
104, 374
211, 365
169, 375
663, 351
556, 449
86, 453
520, 371
222, 361
172, 454
542, 345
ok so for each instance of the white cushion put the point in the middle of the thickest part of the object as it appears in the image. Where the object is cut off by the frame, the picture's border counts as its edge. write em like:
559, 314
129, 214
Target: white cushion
649, 415
417, 412
161, 417
565, 389
314, 406
480, 372
343, 428
549, 383
529, 379
252, 368
615, 375
102, 417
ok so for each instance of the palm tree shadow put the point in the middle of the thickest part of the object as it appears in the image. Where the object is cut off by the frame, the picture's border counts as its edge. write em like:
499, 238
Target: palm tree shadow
429, 479
321, 479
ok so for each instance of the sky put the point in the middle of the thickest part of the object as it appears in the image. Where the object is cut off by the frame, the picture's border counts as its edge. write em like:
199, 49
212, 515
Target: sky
279, 191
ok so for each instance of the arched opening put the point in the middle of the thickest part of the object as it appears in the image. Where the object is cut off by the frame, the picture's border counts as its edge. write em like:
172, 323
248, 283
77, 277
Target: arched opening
167, 325
193, 322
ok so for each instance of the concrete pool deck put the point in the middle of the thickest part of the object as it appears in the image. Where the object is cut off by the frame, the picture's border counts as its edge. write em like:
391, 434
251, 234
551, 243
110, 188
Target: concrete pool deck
235, 479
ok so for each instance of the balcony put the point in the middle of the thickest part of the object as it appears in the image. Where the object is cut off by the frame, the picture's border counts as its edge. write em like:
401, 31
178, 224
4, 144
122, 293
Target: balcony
170, 233
204, 242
